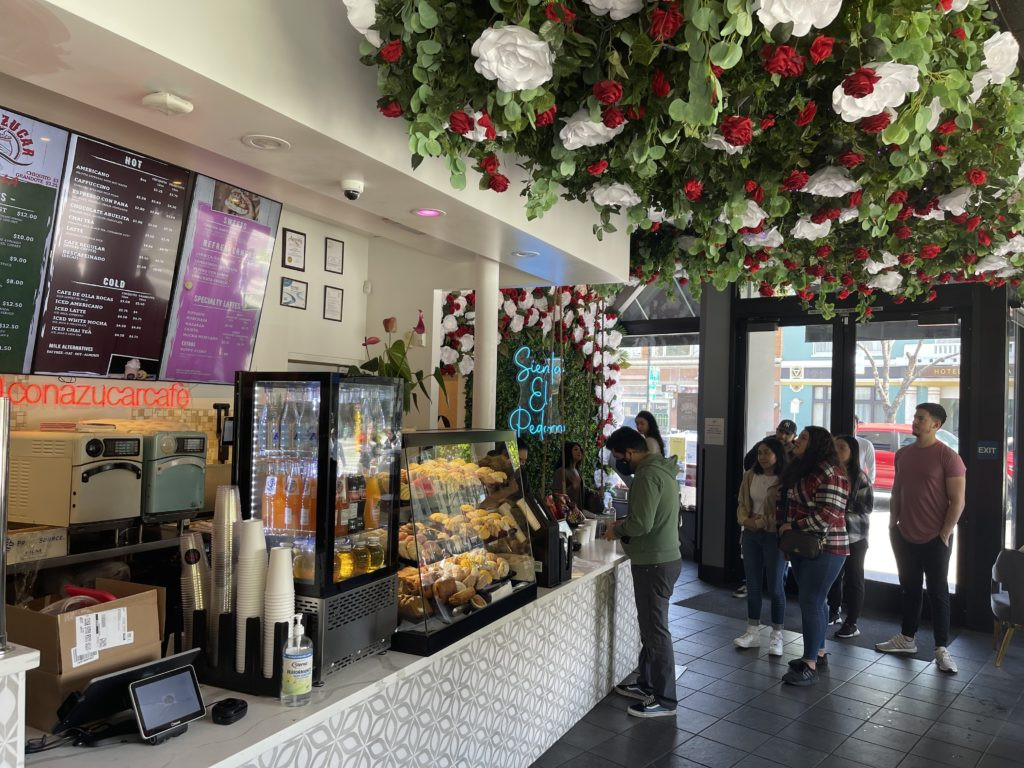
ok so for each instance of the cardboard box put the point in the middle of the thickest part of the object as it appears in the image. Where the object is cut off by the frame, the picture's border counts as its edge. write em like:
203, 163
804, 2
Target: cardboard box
28, 543
78, 646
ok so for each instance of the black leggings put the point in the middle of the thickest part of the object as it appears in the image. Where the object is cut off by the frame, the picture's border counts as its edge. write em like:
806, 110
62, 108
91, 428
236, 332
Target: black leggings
848, 588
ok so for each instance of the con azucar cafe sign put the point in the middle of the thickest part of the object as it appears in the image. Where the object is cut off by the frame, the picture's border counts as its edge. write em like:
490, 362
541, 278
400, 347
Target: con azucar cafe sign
539, 384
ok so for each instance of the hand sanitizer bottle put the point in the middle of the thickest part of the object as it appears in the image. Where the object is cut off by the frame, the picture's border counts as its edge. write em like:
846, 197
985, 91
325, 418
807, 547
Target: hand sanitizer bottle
297, 667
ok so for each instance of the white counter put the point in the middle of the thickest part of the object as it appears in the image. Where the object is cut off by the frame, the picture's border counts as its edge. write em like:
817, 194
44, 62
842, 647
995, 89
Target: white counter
499, 697
14, 663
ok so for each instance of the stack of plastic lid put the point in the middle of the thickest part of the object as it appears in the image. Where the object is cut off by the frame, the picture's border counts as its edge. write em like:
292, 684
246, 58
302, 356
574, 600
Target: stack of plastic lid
226, 516
195, 581
279, 603
250, 581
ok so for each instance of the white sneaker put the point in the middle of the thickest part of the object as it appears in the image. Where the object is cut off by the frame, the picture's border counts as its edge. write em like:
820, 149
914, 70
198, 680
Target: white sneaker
897, 644
750, 639
775, 643
945, 661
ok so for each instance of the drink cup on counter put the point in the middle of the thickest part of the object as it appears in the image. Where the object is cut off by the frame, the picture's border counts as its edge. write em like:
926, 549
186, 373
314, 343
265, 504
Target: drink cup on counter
251, 582
278, 603
195, 582
226, 516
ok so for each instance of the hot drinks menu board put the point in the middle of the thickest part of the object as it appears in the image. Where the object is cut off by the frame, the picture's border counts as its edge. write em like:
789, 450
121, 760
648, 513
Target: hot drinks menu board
31, 161
226, 256
113, 262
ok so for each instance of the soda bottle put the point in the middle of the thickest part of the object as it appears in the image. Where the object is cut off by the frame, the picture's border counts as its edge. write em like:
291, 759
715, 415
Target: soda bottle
290, 429
293, 498
306, 522
277, 519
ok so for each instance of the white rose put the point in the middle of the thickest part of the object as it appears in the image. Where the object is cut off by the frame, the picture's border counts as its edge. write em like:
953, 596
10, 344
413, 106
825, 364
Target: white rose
1001, 54
848, 214
588, 348
517, 324
889, 282
614, 339
527, 302
580, 131
449, 355
617, 9
979, 82
956, 202
471, 316
936, 109
992, 263
957, 6
466, 343
896, 81
362, 14
717, 142
830, 181
598, 359
752, 216
545, 324
803, 13
514, 56
509, 307
770, 238
615, 194
1013, 245
934, 215
577, 335
568, 317
805, 229
874, 267
532, 317
449, 324
466, 365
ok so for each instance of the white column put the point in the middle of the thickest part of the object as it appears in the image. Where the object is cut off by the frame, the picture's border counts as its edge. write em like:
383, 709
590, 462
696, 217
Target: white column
485, 348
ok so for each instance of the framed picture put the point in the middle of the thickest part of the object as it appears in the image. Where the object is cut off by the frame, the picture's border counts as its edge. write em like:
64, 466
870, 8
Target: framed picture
293, 293
334, 255
293, 250
333, 300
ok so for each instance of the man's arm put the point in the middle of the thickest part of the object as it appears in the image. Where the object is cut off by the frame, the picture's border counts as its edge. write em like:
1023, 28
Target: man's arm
643, 503
956, 488
894, 497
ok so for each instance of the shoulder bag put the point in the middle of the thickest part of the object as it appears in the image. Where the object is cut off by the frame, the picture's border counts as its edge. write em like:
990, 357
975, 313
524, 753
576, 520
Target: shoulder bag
803, 543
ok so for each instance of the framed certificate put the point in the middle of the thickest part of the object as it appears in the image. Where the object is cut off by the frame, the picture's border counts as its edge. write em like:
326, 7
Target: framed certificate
334, 255
333, 300
293, 293
293, 250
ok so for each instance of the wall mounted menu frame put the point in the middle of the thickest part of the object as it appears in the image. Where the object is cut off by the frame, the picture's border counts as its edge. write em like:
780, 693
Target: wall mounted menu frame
293, 249
294, 293
334, 256
334, 299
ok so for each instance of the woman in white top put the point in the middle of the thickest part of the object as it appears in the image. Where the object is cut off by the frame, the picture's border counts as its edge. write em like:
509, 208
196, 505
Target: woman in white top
648, 427
756, 515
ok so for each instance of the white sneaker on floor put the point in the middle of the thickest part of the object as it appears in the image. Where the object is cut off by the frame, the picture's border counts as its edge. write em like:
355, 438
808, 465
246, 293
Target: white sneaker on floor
775, 643
945, 661
749, 639
899, 643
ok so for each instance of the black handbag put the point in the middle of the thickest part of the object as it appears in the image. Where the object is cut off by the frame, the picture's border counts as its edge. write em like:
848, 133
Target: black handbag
803, 543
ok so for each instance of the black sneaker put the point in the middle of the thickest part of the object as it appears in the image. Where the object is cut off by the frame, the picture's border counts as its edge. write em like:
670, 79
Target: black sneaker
847, 631
650, 707
798, 664
803, 676
632, 691
834, 617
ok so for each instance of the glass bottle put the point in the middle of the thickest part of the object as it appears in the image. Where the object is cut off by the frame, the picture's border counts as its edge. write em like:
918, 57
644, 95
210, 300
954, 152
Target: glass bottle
308, 501
280, 502
376, 552
290, 443
371, 509
303, 562
344, 561
361, 556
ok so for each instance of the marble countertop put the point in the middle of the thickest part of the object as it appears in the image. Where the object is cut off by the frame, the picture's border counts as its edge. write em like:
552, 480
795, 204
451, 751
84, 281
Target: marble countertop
267, 722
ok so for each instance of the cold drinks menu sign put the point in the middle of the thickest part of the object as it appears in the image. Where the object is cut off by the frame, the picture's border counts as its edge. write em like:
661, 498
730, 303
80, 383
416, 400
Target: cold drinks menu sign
113, 263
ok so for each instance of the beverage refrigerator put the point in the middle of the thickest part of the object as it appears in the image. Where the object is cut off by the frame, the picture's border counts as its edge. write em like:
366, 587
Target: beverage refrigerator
317, 458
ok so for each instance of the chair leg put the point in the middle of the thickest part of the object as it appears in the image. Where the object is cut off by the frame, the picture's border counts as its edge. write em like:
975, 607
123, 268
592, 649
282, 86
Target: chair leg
1005, 644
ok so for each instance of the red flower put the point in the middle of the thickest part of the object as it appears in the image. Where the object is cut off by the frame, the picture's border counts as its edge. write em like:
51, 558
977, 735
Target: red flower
875, 123
960, 218
795, 180
755, 191
597, 168
607, 91
821, 48
860, 83
737, 130
559, 13
547, 117
946, 128
789, 264
392, 52
973, 223
485, 120
717, 71
939, 149
660, 86
807, 114
970, 258
612, 117
976, 176
369, 341
767, 122
899, 197
655, 226
823, 252
665, 22
461, 123
636, 112
850, 159
498, 182
825, 214
855, 198
815, 270
693, 189
861, 254
906, 258
960, 34
931, 295
391, 109
782, 60
905, 213
490, 164
947, 5
984, 238
846, 279
843, 295
766, 290
904, 233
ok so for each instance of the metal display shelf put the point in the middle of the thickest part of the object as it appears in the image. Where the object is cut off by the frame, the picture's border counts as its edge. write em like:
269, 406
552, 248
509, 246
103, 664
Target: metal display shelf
102, 554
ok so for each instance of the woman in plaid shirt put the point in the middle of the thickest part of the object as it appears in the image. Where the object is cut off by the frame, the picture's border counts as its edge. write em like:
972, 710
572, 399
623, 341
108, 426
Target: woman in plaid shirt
818, 490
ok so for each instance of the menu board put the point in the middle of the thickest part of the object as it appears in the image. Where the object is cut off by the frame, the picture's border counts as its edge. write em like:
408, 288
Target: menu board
31, 161
229, 245
113, 262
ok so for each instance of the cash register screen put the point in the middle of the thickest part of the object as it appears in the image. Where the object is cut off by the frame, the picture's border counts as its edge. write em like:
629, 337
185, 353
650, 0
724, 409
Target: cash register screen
166, 701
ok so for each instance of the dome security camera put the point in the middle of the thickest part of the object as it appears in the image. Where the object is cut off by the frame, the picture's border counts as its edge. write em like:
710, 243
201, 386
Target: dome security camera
352, 188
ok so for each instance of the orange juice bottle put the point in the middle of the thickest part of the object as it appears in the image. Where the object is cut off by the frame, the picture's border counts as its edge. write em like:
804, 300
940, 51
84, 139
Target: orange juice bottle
306, 521
371, 508
340, 508
267, 500
279, 502
293, 499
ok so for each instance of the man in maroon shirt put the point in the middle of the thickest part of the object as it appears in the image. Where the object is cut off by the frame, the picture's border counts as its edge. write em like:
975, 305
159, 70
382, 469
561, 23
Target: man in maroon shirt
927, 501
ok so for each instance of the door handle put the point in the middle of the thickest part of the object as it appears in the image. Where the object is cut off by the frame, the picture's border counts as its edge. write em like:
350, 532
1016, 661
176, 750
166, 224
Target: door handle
134, 468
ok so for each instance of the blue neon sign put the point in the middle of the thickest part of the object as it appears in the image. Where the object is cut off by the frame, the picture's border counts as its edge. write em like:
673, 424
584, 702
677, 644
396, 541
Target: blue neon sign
539, 385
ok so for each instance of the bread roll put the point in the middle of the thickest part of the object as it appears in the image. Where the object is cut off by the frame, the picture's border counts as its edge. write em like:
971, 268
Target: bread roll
462, 597
444, 589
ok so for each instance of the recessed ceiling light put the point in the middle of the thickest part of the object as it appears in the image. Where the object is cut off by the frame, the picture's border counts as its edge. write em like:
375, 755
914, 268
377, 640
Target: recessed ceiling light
263, 141
524, 254
428, 213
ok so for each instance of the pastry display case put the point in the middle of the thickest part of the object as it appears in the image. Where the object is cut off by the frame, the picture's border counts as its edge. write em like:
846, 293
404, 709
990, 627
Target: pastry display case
464, 548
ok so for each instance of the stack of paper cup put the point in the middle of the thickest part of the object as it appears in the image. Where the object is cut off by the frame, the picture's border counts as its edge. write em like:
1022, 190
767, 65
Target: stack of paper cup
195, 582
251, 582
279, 603
226, 515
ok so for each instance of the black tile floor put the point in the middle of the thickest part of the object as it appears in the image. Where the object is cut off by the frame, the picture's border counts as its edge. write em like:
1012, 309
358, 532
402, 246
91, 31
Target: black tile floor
868, 711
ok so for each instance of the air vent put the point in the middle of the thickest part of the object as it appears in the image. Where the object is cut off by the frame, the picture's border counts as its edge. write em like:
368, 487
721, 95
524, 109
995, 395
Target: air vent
57, 448
360, 603
404, 227
20, 471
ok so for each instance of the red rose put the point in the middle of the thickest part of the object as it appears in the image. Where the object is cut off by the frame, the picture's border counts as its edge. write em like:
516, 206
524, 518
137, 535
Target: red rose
821, 48
860, 83
660, 86
636, 112
960, 34
843, 295
970, 258
717, 71
823, 252
846, 279
850, 159
607, 91
736, 130
766, 290
960, 218
782, 60
612, 117
392, 52
976, 176
795, 180
904, 233
750, 186
906, 258
559, 13
391, 109
825, 214
898, 197
597, 168
665, 22
905, 213
855, 198
815, 270
498, 182
984, 238
461, 123
875, 123
655, 226
485, 120
789, 264
547, 117
490, 164
973, 223
946, 5
861, 254
807, 113
930, 251
693, 189
931, 295
767, 122
946, 128
939, 149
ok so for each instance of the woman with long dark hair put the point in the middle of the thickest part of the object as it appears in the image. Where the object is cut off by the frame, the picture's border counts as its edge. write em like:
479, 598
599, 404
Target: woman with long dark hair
567, 478
648, 427
817, 493
848, 588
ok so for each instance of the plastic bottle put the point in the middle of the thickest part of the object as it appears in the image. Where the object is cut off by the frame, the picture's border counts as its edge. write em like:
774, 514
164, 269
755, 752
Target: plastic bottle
376, 552
297, 667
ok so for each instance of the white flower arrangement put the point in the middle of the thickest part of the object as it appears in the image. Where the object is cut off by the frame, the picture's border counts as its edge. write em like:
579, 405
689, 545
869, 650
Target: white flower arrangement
804, 14
580, 131
717, 142
513, 56
616, 9
362, 14
830, 181
805, 229
615, 194
889, 282
895, 82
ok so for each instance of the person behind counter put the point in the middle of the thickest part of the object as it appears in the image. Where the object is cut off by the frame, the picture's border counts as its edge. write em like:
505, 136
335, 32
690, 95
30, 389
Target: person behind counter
567, 478
524, 456
650, 537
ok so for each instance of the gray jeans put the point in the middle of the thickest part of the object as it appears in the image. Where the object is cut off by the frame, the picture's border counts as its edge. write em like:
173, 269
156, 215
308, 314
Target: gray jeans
652, 588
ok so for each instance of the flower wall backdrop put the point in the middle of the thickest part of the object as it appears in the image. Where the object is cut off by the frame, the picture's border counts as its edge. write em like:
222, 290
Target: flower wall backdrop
829, 147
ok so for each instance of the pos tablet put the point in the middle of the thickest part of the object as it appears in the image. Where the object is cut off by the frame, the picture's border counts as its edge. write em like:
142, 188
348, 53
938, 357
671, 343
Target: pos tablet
164, 704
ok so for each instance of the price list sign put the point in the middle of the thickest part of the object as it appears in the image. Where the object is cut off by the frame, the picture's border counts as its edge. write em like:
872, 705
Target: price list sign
113, 263
31, 161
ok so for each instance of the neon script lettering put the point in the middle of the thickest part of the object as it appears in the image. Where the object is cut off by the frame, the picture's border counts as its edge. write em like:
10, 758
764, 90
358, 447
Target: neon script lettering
539, 384
96, 395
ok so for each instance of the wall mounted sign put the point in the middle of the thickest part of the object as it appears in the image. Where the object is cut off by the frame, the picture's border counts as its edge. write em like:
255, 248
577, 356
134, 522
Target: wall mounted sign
293, 293
293, 249
334, 298
88, 395
539, 384
989, 450
334, 256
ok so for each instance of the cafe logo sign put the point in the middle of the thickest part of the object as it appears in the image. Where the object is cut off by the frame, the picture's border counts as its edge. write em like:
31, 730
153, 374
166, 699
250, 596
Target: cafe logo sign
539, 384
16, 145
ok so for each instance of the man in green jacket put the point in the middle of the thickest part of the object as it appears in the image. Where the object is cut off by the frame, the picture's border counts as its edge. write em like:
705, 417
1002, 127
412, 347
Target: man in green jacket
650, 536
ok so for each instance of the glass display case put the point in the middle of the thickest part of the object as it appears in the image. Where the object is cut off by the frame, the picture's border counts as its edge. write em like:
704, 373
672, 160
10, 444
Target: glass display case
317, 460
464, 539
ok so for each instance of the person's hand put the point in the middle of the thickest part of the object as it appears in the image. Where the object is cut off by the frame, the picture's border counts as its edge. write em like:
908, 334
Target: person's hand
784, 527
609, 531
945, 534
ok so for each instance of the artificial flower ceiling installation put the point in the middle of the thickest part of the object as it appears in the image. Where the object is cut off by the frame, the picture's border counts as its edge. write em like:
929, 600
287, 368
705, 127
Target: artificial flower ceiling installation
834, 148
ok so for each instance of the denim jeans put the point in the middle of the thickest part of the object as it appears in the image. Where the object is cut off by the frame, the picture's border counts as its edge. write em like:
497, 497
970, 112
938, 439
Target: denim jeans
652, 589
761, 555
814, 578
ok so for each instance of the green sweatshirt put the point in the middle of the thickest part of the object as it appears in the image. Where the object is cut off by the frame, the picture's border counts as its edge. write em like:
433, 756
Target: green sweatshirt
652, 524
